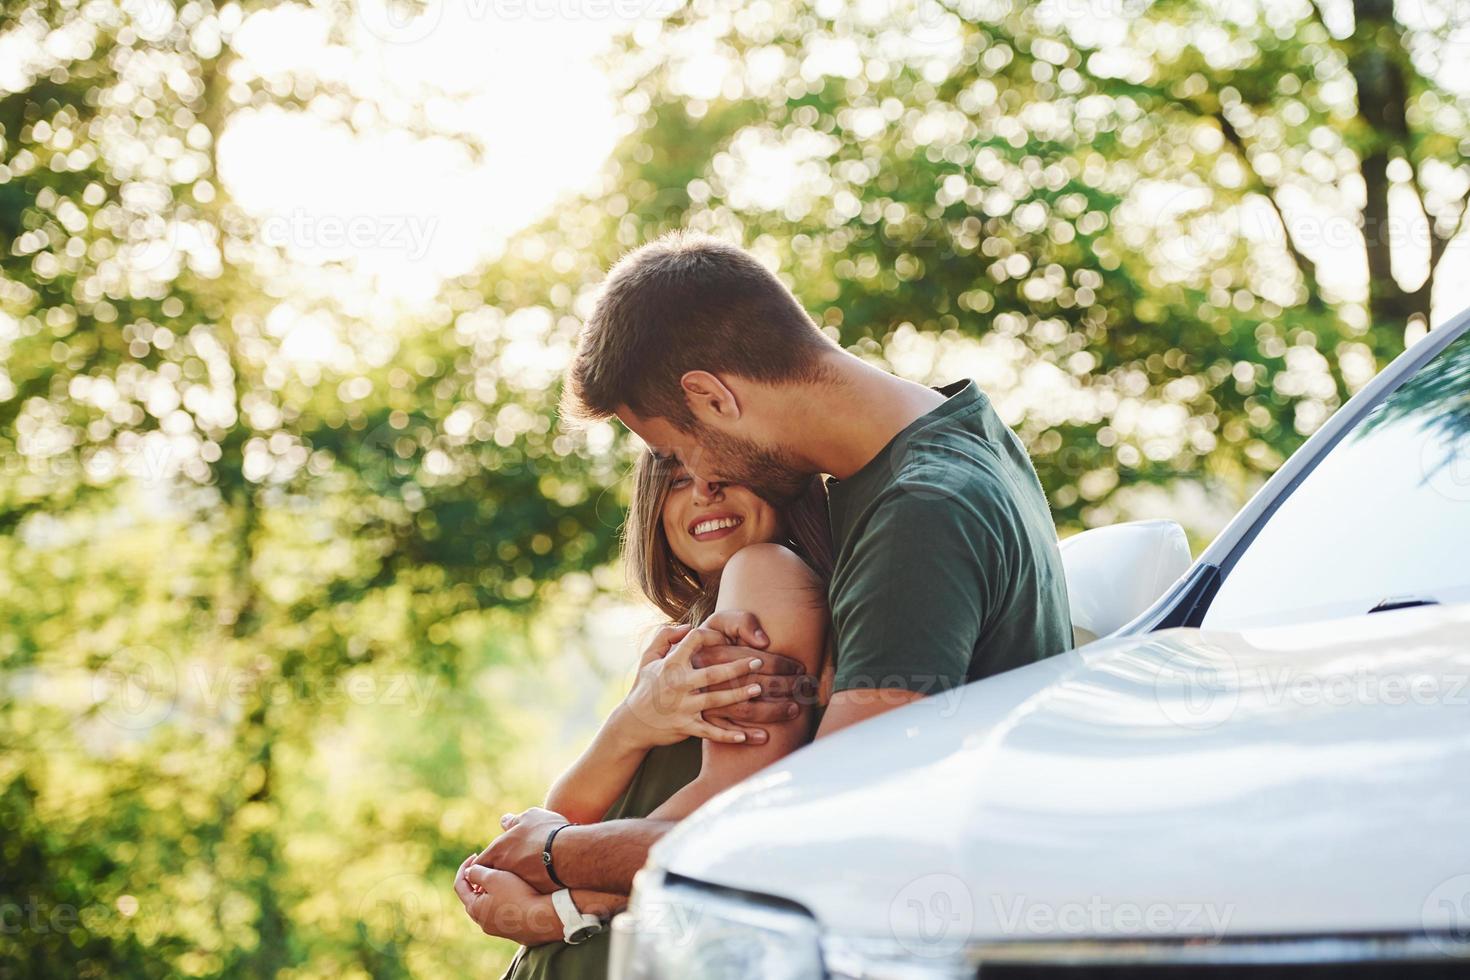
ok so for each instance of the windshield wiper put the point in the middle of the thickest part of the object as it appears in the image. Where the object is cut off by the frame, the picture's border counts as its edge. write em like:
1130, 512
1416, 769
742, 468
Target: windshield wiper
1403, 602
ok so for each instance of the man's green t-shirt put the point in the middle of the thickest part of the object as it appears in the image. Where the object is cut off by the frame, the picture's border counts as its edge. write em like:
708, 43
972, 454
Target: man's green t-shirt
947, 562
664, 771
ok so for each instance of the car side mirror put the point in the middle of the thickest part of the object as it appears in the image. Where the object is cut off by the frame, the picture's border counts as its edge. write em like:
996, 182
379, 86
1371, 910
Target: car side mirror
1116, 572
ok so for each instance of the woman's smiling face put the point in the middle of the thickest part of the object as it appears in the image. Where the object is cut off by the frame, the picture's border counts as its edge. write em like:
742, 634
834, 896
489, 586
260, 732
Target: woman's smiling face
706, 523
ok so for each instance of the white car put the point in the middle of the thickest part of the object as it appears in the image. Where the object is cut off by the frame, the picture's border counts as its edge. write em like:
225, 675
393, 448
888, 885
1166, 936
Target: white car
1265, 772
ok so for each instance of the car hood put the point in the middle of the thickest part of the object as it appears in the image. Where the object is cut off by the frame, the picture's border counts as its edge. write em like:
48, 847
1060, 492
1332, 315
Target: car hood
1303, 780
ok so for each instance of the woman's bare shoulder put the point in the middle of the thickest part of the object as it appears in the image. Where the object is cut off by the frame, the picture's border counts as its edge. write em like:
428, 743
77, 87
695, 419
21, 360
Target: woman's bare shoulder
768, 564
772, 582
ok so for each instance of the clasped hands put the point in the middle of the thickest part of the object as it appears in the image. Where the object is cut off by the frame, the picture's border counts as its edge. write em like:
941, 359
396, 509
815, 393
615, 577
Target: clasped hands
715, 681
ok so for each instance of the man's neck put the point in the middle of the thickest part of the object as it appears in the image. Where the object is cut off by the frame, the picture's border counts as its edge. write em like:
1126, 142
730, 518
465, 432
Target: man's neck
859, 409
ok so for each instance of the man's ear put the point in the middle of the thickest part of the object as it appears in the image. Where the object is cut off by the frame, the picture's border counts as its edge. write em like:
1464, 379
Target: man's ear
709, 398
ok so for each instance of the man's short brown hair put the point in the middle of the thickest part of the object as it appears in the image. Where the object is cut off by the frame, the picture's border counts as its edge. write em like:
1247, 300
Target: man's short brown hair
686, 302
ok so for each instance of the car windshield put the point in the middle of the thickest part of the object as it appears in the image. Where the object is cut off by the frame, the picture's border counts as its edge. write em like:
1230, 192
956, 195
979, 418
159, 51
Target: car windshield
1383, 521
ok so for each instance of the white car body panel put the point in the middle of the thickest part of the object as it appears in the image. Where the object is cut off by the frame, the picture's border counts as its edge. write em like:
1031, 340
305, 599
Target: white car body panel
1260, 778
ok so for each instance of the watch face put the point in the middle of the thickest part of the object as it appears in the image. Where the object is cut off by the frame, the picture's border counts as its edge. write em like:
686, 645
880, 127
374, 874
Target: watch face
585, 933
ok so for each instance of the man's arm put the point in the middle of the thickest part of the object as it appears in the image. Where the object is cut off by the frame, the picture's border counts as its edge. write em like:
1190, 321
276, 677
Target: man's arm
605, 856
850, 707
601, 857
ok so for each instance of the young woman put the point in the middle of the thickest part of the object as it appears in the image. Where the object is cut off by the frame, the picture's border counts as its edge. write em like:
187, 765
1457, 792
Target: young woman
666, 749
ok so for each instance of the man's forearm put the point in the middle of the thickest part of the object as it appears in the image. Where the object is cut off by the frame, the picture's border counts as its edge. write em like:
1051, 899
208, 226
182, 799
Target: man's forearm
604, 857
604, 905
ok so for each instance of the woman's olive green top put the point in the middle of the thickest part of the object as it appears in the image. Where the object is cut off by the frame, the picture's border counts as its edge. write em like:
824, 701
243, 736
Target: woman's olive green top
664, 771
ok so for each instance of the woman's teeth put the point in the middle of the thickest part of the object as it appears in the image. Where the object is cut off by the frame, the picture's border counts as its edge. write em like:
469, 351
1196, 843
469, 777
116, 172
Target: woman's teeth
718, 524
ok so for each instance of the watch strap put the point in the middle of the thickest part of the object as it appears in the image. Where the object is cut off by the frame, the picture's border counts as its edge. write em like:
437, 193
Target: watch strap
577, 926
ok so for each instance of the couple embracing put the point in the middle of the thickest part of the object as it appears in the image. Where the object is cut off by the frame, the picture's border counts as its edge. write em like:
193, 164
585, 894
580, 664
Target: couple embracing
828, 542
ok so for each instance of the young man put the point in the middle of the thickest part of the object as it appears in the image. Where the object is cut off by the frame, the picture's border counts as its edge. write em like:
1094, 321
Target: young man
947, 563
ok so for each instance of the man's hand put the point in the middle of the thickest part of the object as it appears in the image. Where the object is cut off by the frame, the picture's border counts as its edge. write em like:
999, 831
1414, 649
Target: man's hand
503, 905
784, 688
784, 685
518, 850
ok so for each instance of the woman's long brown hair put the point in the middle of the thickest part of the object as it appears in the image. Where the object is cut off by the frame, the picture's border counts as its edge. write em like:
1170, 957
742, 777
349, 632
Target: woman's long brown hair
673, 586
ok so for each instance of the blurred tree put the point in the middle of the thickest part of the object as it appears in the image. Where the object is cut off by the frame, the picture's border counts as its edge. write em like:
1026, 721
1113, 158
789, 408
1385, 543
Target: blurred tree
1335, 116
1123, 220
1084, 211
210, 545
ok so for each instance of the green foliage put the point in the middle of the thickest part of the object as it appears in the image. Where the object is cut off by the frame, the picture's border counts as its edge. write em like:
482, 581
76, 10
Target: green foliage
260, 616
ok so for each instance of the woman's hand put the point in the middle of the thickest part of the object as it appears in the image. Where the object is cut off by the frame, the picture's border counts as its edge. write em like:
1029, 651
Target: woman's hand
669, 695
663, 641
503, 905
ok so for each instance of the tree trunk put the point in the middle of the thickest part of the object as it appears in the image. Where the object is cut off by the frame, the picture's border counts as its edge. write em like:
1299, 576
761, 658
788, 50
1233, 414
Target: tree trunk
1376, 59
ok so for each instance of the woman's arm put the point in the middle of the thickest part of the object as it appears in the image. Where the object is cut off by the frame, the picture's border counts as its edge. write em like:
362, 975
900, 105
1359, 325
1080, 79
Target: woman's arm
593, 783
788, 599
